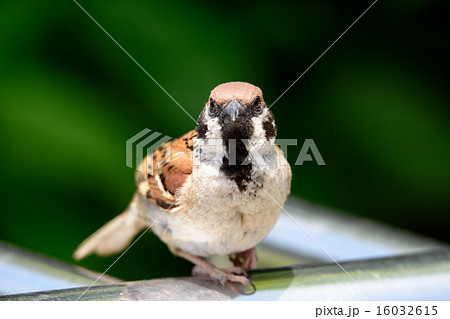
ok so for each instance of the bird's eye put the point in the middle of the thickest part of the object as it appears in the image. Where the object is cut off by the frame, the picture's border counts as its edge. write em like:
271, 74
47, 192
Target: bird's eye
257, 108
212, 107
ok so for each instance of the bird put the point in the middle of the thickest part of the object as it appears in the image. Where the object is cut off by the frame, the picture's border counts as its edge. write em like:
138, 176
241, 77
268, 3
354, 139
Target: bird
217, 190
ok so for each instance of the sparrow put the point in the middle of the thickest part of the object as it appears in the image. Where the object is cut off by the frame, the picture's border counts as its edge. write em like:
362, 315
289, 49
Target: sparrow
217, 190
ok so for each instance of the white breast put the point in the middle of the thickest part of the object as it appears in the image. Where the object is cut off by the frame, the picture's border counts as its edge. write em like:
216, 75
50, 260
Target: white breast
215, 218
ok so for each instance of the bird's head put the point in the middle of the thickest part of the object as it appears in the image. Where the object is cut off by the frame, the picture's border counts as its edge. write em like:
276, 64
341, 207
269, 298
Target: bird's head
236, 130
236, 110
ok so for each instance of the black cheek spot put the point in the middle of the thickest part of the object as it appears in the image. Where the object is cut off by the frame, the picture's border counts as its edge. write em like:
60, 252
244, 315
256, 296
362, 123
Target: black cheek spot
201, 128
269, 128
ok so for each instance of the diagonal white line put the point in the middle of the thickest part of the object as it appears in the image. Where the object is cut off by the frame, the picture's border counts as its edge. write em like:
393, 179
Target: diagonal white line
131, 245
320, 56
136, 62
315, 241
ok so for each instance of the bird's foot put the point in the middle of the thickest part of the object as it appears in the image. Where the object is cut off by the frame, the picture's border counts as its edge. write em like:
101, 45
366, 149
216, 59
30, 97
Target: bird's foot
232, 274
229, 276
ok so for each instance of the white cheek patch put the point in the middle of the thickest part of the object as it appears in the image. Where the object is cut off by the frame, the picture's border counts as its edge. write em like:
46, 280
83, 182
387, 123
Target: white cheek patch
258, 146
214, 129
210, 149
258, 121
258, 130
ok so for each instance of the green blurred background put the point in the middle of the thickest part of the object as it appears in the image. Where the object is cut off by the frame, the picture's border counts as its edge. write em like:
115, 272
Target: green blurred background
376, 106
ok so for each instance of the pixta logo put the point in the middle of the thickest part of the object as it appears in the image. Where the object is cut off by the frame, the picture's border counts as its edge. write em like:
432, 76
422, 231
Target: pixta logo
148, 144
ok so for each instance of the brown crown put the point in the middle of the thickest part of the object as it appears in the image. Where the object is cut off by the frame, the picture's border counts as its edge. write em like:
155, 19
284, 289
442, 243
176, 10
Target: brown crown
241, 91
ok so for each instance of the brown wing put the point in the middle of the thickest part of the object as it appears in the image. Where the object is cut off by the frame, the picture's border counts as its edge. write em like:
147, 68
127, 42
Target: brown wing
163, 172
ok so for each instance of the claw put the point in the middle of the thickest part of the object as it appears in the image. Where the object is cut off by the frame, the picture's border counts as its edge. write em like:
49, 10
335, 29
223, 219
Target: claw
233, 286
251, 292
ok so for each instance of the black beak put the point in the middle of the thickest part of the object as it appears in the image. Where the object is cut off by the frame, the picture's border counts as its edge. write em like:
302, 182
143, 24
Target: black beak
234, 112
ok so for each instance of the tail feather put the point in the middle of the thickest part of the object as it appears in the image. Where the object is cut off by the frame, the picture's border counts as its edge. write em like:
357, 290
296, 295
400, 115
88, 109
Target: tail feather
114, 237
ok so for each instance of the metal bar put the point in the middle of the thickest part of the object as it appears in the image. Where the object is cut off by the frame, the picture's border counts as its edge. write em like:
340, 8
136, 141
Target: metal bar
24, 271
344, 236
423, 276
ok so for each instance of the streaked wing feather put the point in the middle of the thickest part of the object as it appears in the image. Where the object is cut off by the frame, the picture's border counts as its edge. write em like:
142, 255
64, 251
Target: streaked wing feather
163, 172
